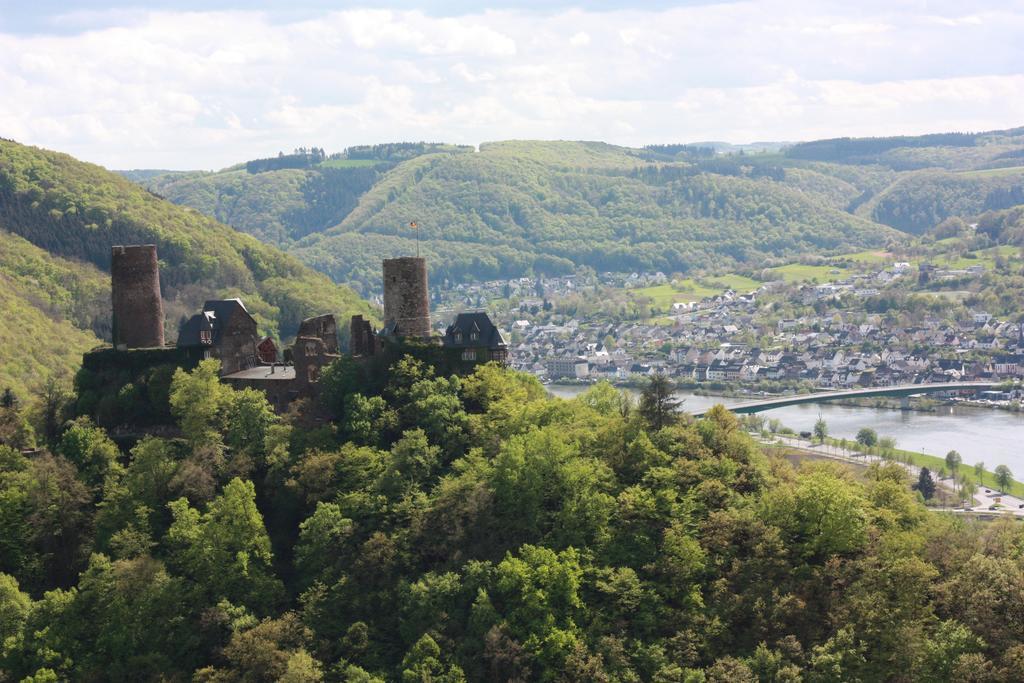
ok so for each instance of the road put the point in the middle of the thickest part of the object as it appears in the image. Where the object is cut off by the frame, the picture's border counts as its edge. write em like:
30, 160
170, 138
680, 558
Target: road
983, 498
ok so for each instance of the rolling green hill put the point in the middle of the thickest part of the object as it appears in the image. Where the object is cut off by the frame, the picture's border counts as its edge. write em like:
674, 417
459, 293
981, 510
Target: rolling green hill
919, 201
521, 207
524, 206
58, 220
53, 310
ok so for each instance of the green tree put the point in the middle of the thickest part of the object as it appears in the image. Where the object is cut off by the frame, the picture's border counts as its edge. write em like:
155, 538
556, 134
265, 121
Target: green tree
925, 483
658, 405
820, 429
953, 461
90, 449
14, 609
867, 437
979, 472
248, 417
226, 550
1004, 478
822, 514
423, 664
7, 399
197, 399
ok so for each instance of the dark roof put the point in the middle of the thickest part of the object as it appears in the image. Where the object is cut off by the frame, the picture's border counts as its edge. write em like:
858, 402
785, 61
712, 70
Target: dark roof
189, 334
215, 316
461, 332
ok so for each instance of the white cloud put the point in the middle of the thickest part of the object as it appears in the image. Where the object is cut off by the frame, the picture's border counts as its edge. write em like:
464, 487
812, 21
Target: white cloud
580, 39
206, 89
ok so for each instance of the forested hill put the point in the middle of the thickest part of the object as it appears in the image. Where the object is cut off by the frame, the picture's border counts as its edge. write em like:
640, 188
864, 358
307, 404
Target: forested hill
58, 220
54, 309
517, 207
449, 529
520, 206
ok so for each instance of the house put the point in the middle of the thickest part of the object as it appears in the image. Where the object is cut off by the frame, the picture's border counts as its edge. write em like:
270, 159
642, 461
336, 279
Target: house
266, 350
573, 368
225, 330
475, 338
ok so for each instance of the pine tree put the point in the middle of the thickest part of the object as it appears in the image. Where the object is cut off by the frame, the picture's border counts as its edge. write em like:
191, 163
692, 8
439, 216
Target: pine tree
658, 405
925, 484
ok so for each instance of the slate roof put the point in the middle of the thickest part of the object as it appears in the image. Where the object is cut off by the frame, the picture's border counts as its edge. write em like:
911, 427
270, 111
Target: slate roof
460, 334
189, 334
215, 316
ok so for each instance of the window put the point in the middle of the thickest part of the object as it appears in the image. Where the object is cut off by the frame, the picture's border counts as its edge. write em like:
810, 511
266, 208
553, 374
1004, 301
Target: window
205, 337
469, 355
458, 337
473, 336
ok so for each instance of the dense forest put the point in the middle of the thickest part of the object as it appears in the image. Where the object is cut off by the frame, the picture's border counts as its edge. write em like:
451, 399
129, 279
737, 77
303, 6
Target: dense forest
58, 220
519, 208
53, 310
416, 527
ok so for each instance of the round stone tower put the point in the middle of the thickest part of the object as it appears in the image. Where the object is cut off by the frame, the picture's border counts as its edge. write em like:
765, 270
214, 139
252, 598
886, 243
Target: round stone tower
406, 300
135, 291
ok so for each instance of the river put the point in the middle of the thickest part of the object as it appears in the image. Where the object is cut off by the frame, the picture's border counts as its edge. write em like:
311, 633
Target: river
995, 437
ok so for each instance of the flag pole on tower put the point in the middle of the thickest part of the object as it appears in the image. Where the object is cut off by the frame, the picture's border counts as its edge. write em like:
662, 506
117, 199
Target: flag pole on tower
415, 226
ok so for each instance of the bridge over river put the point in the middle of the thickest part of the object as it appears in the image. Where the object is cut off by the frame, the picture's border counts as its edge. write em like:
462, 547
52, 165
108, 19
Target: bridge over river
901, 391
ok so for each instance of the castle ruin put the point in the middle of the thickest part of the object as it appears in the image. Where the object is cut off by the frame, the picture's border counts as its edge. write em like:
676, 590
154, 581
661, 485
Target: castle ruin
406, 299
138, 310
471, 338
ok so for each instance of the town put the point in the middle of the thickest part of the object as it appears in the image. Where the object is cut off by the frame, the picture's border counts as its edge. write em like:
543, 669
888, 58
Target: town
837, 337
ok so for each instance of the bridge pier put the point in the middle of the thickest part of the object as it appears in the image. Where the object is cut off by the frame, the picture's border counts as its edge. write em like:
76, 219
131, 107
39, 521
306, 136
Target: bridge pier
905, 403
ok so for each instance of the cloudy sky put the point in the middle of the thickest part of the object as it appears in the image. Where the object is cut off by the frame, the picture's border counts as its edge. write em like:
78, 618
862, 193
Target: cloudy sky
207, 83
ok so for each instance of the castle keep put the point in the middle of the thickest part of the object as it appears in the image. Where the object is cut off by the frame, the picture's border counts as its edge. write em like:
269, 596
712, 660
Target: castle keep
138, 310
406, 299
471, 339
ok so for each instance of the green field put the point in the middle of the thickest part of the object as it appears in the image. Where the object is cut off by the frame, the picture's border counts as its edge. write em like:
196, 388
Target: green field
799, 272
983, 257
737, 283
663, 296
872, 256
348, 163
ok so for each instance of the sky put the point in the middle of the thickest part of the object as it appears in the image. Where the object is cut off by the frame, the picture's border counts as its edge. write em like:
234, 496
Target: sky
203, 84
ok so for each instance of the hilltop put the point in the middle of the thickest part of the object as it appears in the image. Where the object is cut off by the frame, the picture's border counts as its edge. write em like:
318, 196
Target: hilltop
58, 219
524, 206
520, 207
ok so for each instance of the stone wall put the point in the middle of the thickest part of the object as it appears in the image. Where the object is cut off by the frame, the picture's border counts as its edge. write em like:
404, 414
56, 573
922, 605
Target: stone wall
323, 327
138, 311
237, 347
362, 338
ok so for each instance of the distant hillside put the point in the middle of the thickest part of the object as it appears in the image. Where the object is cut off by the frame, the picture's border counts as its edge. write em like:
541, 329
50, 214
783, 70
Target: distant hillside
918, 201
73, 210
907, 152
525, 207
53, 310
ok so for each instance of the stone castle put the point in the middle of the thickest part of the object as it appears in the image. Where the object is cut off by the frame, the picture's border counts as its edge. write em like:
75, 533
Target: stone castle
471, 339
225, 330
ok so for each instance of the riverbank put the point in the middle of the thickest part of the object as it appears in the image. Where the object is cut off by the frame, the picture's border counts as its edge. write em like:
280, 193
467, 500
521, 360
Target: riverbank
1010, 500
993, 437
